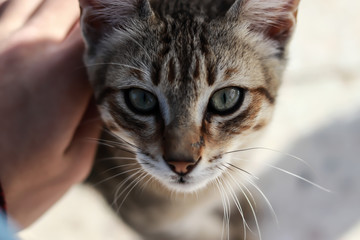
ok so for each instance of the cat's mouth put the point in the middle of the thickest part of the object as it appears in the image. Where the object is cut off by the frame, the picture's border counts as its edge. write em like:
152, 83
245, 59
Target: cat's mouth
188, 183
192, 182
181, 180
184, 184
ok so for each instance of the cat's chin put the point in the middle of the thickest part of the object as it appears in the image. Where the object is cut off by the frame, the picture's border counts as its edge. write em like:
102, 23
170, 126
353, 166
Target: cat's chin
187, 184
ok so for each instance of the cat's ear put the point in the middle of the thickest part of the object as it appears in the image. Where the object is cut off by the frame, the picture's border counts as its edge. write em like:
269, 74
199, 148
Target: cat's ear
100, 17
275, 18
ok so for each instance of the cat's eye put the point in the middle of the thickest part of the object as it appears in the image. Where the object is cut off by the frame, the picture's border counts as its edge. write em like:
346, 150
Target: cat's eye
226, 100
141, 101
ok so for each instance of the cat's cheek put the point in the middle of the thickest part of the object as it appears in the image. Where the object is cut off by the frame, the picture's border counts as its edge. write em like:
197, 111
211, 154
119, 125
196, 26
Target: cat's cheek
105, 115
110, 123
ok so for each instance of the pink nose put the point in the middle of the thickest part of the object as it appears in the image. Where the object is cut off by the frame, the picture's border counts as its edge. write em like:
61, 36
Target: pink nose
181, 168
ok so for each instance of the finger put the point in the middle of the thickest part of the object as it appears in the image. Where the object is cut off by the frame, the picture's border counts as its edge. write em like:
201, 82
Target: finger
82, 148
14, 14
54, 18
65, 87
77, 89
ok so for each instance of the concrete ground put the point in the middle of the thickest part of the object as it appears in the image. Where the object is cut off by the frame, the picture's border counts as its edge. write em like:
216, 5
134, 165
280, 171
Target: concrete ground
317, 118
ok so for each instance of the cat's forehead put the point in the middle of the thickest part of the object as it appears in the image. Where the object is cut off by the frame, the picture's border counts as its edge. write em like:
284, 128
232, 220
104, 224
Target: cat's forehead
184, 50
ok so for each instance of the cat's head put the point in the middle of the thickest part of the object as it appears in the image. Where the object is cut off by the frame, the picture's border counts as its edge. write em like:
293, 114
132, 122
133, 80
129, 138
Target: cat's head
184, 88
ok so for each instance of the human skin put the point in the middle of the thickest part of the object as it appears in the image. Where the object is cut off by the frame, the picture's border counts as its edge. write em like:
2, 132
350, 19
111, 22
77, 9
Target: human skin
48, 121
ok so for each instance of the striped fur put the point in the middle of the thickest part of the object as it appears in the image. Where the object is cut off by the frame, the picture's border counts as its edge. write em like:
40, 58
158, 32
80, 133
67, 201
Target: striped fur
182, 51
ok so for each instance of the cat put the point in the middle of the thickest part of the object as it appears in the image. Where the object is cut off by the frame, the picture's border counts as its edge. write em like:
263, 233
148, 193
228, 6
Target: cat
181, 85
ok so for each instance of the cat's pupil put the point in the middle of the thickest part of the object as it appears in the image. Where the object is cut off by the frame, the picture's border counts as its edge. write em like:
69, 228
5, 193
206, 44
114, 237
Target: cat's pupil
224, 98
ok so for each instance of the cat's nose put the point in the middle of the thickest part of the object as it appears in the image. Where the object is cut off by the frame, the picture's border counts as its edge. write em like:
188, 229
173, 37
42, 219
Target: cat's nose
182, 167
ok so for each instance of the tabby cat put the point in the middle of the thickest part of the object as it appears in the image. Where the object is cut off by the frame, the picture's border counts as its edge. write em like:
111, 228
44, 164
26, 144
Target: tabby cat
181, 85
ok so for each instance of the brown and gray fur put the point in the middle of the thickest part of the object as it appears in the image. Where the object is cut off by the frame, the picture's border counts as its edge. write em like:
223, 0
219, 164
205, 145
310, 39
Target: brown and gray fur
182, 51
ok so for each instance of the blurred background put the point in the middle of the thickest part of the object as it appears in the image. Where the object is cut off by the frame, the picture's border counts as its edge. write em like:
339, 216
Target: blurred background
317, 119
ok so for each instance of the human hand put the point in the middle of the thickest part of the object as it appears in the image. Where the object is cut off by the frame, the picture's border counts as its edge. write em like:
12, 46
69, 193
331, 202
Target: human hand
45, 105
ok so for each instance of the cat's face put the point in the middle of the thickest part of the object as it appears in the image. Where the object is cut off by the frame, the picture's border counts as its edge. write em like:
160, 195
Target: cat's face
183, 90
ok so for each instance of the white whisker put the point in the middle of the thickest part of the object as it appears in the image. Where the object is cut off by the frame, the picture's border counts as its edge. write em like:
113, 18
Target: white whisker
118, 166
216, 182
123, 141
299, 177
137, 181
244, 186
251, 207
124, 146
119, 186
100, 143
228, 209
238, 206
118, 158
117, 64
275, 151
265, 198
292, 174
141, 46
144, 185
241, 170
116, 175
